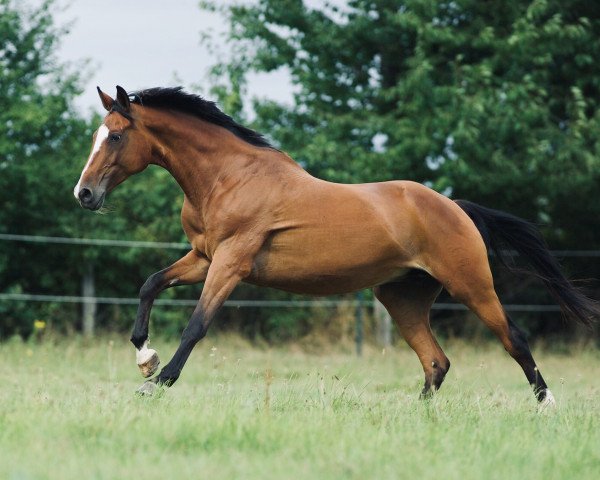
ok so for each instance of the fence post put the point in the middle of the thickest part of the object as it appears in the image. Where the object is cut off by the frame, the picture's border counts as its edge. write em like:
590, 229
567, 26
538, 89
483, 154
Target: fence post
88, 291
359, 323
384, 324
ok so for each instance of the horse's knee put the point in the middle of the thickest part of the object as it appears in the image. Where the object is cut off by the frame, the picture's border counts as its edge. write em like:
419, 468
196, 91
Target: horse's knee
194, 332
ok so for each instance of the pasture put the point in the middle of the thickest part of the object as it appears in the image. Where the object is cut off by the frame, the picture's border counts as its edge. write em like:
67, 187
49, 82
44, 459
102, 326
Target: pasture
67, 411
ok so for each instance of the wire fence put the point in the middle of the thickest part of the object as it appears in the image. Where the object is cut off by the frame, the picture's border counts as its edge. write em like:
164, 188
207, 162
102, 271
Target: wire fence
97, 242
25, 297
358, 303
325, 303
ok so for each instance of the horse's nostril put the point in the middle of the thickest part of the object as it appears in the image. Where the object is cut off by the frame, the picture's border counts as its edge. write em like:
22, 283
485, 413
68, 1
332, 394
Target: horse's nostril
85, 195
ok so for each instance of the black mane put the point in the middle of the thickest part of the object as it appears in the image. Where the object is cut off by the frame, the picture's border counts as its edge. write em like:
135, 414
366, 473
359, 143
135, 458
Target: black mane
175, 98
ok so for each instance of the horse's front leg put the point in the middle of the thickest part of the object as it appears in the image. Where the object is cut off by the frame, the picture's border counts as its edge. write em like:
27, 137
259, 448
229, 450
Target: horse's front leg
192, 268
225, 272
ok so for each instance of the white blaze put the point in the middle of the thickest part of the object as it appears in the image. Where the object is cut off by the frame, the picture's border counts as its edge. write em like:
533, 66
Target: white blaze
101, 136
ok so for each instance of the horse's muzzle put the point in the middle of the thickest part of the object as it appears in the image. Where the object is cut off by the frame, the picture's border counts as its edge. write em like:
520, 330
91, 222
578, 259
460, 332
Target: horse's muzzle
89, 200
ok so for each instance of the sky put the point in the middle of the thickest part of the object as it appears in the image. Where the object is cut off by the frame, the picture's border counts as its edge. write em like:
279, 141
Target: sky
147, 43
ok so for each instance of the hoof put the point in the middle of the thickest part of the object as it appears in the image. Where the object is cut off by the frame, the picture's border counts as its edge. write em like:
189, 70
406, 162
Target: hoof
150, 366
148, 389
428, 393
548, 403
147, 360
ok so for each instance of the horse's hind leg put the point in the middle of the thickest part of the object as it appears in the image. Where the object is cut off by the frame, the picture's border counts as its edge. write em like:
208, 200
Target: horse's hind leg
409, 302
471, 284
490, 311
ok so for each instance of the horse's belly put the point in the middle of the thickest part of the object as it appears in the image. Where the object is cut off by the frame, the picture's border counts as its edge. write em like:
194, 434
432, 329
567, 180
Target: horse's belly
316, 283
327, 266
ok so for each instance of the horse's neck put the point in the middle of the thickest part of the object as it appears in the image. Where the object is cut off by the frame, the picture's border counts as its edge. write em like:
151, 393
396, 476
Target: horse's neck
208, 161
192, 172
199, 155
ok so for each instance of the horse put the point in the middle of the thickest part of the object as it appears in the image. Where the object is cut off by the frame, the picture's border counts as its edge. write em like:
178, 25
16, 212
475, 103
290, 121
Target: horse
252, 214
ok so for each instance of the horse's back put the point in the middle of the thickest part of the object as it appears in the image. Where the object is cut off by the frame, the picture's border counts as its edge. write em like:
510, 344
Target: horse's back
419, 212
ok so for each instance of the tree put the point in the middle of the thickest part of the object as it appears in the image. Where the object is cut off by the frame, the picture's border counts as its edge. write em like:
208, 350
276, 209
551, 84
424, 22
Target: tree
44, 142
497, 103
37, 129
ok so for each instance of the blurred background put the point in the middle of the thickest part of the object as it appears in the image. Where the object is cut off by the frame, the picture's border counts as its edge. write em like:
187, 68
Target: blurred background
493, 101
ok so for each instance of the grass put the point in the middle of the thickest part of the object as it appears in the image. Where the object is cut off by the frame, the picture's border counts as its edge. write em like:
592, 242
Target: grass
67, 411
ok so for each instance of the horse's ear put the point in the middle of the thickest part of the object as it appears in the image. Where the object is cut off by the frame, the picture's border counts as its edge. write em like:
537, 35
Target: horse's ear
123, 98
107, 101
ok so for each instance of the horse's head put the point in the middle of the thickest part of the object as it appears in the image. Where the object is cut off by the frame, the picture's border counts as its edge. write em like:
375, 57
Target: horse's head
119, 150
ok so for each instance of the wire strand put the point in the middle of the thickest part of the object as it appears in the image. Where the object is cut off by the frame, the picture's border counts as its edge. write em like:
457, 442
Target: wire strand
99, 242
27, 297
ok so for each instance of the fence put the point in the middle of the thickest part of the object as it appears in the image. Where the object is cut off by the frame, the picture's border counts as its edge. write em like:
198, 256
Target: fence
358, 303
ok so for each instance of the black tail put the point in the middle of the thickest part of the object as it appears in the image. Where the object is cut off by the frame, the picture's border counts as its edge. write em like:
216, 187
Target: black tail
501, 230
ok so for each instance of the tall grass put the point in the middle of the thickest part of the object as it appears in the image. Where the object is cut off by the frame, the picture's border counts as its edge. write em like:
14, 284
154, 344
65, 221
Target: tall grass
67, 411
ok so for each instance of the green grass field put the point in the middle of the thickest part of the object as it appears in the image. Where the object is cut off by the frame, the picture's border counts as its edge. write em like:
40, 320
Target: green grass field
67, 411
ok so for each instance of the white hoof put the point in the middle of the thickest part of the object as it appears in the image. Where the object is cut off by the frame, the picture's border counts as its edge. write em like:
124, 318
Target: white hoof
147, 389
548, 403
147, 360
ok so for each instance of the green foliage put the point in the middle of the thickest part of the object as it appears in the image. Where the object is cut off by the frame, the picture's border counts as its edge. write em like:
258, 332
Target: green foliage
43, 146
40, 134
273, 324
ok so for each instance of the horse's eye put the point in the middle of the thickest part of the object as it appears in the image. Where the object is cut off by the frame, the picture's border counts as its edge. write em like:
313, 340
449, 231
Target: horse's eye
115, 137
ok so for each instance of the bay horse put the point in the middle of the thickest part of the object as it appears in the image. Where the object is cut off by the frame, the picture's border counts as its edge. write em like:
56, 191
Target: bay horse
252, 214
